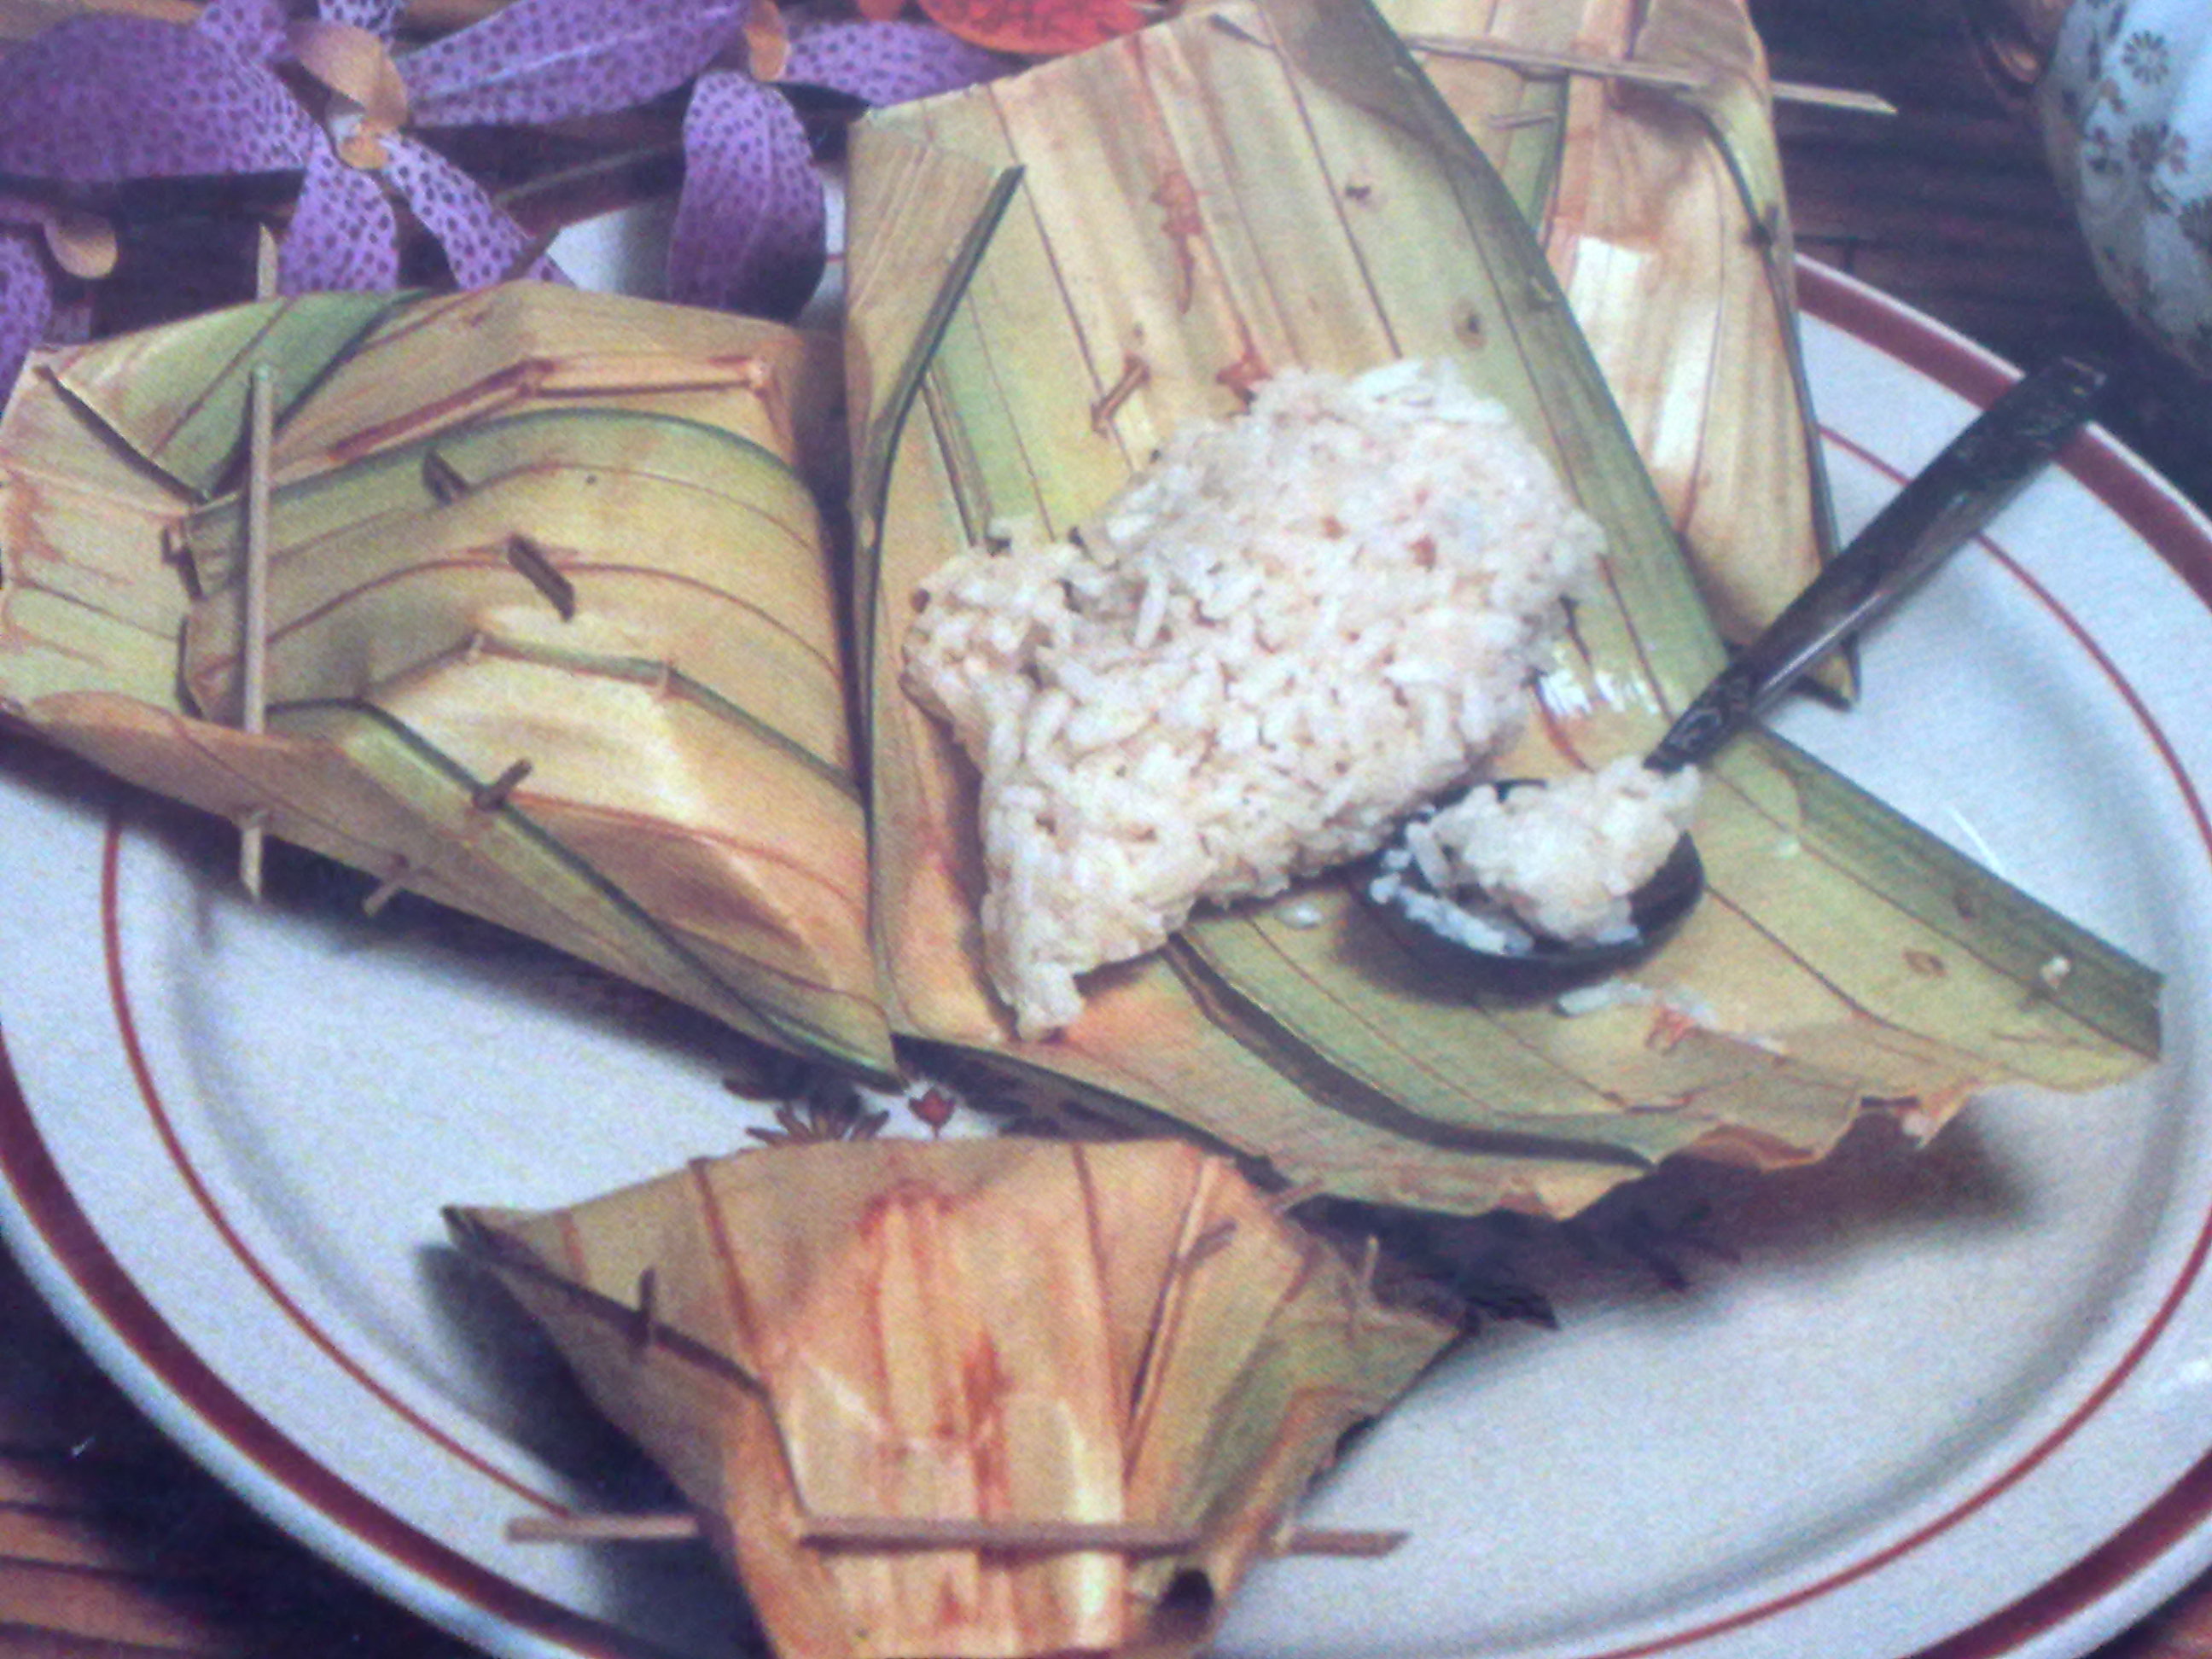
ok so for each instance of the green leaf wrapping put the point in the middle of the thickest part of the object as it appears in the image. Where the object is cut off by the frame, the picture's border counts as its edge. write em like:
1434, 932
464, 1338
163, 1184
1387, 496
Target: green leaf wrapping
1171, 218
553, 634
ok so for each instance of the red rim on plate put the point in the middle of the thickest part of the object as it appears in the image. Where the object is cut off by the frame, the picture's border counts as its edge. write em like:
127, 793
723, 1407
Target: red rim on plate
97, 1294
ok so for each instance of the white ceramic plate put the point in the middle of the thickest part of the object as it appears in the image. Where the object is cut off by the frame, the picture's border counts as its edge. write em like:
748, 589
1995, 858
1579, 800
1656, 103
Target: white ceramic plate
1961, 1402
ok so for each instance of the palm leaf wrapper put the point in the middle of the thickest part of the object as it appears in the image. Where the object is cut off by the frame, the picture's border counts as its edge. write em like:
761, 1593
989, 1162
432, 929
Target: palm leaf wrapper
1842, 954
1006, 1396
522, 599
1638, 139
657, 775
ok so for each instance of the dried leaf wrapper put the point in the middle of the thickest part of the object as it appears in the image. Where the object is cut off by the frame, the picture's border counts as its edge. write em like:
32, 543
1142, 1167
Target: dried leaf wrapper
1661, 209
523, 526
994, 1331
1048, 275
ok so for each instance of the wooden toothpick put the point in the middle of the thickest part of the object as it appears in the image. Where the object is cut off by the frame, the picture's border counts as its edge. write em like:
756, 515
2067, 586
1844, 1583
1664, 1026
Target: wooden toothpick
896, 1532
253, 655
494, 795
1210, 1242
602, 1528
265, 259
1358, 1543
389, 889
1039, 1537
1669, 76
531, 562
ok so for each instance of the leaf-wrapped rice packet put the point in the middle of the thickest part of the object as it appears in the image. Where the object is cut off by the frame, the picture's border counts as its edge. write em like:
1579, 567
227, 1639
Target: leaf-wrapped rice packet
1638, 138
843, 1351
1049, 277
551, 633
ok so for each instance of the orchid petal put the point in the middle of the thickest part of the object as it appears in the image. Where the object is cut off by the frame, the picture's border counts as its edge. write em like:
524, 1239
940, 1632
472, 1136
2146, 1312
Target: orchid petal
545, 60
82, 243
887, 63
482, 244
100, 99
751, 225
354, 63
27, 300
254, 29
343, 232
767, 39
379, 17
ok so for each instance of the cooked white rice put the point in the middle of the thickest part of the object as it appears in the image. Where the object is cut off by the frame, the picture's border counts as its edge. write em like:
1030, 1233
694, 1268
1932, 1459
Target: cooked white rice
1294, 627
1564, 859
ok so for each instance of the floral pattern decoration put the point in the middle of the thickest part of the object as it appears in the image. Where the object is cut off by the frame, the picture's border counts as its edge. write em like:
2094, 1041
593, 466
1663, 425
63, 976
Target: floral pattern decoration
2126, 107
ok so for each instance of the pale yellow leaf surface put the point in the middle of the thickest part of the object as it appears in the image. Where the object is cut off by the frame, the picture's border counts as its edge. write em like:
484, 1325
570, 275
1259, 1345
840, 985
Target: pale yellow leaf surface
566, 540
996, 1332
1340, 220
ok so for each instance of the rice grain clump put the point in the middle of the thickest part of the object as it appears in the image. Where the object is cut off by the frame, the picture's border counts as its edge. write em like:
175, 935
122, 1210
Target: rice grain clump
1294, 627
1564, 859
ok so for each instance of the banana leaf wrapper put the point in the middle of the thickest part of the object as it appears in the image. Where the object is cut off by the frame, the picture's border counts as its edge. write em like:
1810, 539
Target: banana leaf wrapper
1660, 208
523, 526
1049, 273
1002, 1331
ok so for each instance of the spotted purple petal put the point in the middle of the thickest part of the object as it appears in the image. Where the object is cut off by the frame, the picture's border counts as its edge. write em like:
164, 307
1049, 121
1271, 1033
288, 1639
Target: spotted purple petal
27, 300
483, 244
751, 225
254, 29
887, 63
343, 232
377, 16
545, 60
100, 99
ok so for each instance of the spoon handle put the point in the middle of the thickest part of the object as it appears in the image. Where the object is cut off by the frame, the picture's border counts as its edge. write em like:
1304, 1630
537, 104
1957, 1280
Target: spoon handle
1960, 491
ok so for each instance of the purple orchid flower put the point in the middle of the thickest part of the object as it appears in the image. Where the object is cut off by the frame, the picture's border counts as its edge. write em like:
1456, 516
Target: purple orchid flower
26, 297
534, 62
750, 225
102, 99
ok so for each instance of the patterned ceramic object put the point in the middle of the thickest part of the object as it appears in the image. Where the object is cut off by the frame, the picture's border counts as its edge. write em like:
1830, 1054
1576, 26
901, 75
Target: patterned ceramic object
2127, 112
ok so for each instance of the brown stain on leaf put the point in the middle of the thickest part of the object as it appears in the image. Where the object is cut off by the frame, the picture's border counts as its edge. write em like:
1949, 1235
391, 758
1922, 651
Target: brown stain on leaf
1135, 374
952, 1612
1926, 963
986, 1388
1177, 199
1244, 375
901, 1224
1668, 1027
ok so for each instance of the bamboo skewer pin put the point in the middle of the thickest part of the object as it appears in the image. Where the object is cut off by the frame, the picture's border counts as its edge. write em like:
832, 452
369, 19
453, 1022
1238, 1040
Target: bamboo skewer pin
1484, 50
896, 1532
1045, 1537
265, 257
253, 662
